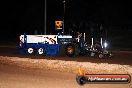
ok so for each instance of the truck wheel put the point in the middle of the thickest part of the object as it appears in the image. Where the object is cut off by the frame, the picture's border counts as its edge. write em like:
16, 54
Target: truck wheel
30, 50
101, 55
40, 51
72, 50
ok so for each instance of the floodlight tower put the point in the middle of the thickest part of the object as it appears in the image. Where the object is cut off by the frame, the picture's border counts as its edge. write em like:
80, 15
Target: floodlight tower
45, 17
64, 17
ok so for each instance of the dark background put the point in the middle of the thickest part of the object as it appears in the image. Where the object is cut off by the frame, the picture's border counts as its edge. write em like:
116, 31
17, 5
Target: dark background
27, 16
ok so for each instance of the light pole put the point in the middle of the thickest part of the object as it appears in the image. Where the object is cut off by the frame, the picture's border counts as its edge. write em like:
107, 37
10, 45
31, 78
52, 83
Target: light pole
64, 17
45, 18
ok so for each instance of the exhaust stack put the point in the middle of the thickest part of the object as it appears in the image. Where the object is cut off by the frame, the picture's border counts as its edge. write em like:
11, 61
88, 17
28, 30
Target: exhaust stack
84, 37
101, 42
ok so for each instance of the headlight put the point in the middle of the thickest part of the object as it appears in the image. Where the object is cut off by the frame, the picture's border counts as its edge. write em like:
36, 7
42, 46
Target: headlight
105, 44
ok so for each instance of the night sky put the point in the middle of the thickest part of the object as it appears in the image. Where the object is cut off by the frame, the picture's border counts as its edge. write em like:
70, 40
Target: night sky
27, 16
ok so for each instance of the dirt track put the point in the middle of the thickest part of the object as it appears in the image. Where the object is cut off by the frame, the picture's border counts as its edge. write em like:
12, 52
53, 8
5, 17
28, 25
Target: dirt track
20, 71
14, 77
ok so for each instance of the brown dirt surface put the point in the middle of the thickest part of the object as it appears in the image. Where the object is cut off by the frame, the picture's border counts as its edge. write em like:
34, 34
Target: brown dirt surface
120, 63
